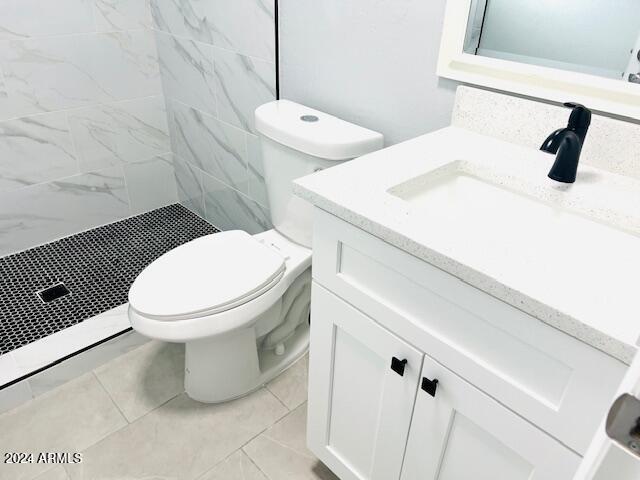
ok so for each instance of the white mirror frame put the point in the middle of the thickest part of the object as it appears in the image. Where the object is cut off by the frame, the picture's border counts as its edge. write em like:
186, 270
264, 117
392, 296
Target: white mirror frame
601, 94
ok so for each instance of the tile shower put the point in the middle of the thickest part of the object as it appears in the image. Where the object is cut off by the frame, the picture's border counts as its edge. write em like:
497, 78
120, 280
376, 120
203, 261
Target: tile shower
113, 108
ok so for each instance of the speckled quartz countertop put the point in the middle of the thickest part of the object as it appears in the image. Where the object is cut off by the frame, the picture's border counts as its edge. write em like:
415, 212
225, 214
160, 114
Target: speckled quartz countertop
581, 274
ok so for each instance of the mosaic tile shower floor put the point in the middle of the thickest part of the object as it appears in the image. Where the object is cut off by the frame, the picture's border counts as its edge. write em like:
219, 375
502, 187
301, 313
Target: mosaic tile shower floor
96, 266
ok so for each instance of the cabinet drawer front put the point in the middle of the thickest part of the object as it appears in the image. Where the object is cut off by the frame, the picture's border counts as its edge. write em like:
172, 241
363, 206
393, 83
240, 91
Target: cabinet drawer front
462, 433
548, 377
359, 408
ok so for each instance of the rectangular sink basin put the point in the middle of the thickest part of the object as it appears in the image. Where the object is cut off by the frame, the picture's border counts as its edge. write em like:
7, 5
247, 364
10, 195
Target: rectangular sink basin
528, 235
458, 193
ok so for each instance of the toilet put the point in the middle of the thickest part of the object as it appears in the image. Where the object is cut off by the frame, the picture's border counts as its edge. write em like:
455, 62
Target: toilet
241, 302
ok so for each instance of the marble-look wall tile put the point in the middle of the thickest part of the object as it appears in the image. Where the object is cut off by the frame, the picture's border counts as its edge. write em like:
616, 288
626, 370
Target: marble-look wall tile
187, 71
184, 18
56, 73
228, 209
39, 18
3, 88
151, 184
242, 85
189, 185
257, 184
129, 131
213, 146
34, 150
126, 64
243, 26
41, 213
114, 15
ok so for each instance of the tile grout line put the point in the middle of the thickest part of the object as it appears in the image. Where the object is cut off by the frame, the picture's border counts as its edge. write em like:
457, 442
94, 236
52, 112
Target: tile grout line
93, 372
282, 444
256, 465
86, 447
241, 447
266, 386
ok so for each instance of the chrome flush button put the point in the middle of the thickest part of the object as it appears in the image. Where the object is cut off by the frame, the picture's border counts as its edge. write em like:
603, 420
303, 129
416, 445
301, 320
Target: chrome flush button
309, 118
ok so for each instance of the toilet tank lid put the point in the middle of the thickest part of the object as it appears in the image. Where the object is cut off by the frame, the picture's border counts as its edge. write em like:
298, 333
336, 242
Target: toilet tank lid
313, 132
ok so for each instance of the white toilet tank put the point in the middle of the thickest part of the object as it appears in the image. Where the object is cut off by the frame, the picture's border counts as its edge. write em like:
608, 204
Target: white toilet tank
297, 141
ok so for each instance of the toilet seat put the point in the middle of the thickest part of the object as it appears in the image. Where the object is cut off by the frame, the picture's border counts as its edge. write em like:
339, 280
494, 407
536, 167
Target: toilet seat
209, 275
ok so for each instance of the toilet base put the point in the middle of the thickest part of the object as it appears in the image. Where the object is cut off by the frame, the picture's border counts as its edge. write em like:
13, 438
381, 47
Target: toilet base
224, 368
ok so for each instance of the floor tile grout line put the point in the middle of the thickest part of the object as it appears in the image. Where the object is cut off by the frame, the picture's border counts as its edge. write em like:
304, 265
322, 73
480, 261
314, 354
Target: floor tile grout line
266, 475
126, 425
302, 454
262, 432
93, 372
266, 435
181, 392
241, 447
266, 386
287, 412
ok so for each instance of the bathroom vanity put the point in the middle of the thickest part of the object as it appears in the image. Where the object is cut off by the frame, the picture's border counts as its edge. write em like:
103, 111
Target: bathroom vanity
470, 319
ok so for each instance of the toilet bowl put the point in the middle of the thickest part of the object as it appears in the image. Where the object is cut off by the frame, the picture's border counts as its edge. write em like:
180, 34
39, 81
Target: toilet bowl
241, 303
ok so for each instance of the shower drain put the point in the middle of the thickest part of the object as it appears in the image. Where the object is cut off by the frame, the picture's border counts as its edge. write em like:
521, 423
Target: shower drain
54, 292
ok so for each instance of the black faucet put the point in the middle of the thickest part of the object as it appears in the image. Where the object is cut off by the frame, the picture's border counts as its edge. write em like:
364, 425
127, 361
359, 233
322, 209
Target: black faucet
567, 144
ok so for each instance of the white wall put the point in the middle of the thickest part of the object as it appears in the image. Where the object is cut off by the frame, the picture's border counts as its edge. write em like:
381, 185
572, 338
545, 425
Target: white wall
371, 62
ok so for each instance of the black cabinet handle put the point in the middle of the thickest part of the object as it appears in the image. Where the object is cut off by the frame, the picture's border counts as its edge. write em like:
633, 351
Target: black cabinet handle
398, 365
430, 386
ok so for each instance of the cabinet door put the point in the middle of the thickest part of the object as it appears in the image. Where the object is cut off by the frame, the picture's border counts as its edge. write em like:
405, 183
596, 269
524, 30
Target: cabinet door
359, 406
459, 433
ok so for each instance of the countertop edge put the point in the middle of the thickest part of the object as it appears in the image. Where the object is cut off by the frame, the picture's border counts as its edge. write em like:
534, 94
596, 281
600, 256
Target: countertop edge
560, 321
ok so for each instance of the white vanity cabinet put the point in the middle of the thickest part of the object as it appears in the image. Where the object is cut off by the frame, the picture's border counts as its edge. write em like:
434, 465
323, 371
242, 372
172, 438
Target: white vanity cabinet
458, 432
359, 408
515, 397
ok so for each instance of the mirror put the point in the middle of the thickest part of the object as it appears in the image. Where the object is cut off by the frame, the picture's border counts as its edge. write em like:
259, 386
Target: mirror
596, 37
583, 51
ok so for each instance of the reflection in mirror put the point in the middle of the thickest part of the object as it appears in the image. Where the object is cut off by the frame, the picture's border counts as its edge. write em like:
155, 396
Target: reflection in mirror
597, 37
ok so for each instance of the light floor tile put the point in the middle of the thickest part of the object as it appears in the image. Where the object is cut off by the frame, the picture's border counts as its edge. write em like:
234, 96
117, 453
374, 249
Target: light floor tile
144, 378
85, 362
281, 452
15, 395
291, 386
183, 439
68, 419
56, 473
236, 467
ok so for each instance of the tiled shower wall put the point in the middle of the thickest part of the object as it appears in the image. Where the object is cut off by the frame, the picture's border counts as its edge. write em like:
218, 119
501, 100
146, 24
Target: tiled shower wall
83, 130
217, 62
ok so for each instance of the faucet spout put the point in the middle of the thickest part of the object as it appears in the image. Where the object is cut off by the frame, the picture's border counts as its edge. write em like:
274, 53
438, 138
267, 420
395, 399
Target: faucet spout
566, 143
565, 168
